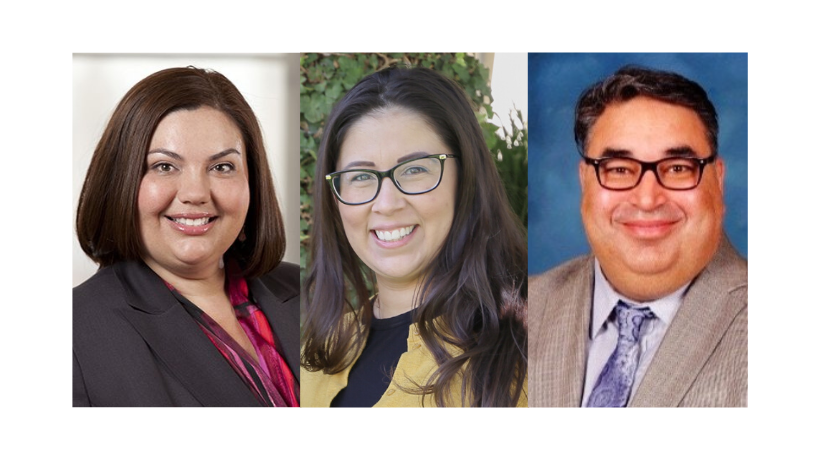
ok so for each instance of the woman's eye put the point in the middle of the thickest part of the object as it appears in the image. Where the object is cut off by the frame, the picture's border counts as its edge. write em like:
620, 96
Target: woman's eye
361, 178
412, 170
224, 167
163, 167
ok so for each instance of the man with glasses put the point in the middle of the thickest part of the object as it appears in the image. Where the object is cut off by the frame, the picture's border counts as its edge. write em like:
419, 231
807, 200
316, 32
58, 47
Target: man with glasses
657, 315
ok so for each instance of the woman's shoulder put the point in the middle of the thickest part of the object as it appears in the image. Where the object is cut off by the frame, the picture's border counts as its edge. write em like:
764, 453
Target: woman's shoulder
103, 285
100, 313
282, 281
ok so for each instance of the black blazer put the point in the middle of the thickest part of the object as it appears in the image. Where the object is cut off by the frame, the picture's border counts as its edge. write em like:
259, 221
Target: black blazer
135, 345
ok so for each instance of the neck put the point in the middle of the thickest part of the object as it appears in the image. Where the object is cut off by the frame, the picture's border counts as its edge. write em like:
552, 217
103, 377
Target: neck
394, 299
208, 282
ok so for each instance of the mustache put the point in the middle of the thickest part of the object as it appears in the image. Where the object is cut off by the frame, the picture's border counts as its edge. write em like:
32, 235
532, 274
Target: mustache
666, 212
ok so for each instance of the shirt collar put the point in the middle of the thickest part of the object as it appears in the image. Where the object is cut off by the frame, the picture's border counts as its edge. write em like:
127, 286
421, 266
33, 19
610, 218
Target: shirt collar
605, 297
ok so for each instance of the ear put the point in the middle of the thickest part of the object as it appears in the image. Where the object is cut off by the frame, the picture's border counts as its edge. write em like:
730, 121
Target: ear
581, 171
720, 168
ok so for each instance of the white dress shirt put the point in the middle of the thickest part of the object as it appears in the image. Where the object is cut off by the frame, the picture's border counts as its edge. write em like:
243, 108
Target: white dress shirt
603, 329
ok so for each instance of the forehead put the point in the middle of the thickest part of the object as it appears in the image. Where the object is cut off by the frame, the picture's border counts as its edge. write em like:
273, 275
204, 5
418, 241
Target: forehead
203, 129
381, 139
647, 129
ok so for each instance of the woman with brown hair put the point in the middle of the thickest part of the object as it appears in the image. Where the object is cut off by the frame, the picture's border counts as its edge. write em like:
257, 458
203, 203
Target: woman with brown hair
192, 305
407, 197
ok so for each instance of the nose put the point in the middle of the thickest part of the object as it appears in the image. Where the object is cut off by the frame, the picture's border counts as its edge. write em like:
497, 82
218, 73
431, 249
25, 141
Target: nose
194, 188
649, 193
389, 199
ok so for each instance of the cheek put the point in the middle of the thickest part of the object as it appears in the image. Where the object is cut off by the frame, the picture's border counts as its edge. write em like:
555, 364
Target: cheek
353, 219
703, 208
438, 210
242, 199
231, 196
154, 197
598, 205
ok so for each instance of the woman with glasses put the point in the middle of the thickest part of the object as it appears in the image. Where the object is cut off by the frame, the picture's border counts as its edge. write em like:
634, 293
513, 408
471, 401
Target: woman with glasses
408, 201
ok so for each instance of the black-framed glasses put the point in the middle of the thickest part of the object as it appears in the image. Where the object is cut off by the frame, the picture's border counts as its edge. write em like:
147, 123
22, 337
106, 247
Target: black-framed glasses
411, 177
677, 173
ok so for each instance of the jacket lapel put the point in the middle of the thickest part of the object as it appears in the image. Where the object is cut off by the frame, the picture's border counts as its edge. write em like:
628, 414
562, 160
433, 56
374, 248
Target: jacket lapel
177, 340
565, 331
282, 311
699, 325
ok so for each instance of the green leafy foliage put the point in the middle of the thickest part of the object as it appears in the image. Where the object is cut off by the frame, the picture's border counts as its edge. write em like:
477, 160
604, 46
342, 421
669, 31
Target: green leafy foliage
326, 78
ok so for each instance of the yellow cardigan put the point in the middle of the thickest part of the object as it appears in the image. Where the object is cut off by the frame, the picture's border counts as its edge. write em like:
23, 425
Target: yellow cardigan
415, 366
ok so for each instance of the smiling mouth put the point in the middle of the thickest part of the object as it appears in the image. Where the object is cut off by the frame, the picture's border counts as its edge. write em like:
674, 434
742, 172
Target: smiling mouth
395, 235
192, 222
650, 230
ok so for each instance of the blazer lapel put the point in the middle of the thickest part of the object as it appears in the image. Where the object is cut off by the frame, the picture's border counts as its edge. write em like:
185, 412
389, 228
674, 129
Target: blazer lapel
178, 341
565, 330
699, 325
282, 312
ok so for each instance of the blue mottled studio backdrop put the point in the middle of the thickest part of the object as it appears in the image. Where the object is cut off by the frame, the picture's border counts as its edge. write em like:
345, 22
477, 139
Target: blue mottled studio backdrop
555, 82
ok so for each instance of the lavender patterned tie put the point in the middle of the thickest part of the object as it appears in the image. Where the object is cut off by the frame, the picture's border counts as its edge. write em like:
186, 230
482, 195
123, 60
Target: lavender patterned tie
615, 382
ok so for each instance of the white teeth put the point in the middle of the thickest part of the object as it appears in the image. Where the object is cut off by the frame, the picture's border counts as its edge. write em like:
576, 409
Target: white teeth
192, 222
395, 235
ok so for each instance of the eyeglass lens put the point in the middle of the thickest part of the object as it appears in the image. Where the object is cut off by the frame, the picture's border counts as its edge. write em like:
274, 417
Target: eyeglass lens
416, 176
673, 173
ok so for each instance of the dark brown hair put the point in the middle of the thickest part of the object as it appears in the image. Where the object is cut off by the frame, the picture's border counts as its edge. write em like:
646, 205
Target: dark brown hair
475, 288
633, 81
107, 222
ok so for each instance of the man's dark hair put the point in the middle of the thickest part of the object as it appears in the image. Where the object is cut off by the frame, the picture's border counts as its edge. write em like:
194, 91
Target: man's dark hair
633, 81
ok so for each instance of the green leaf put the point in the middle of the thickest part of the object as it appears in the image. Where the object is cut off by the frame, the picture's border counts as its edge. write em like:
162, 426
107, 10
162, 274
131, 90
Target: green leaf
335, 91
313, 107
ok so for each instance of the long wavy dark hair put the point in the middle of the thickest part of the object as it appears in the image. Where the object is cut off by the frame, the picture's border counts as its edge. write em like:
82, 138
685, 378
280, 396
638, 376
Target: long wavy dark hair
475, 288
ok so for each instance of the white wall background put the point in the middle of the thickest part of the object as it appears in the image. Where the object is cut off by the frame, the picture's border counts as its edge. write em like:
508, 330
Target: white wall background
269, 82
508, 80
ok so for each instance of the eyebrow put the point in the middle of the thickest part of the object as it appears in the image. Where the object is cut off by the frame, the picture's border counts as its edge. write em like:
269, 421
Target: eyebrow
673, 152
177, 156
402, 159
682, 151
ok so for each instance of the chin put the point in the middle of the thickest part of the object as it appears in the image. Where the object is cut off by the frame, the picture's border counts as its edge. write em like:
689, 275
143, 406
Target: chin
650, 264
194, 259
397, 273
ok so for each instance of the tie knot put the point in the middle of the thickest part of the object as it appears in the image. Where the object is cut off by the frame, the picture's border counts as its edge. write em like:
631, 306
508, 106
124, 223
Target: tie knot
631, 320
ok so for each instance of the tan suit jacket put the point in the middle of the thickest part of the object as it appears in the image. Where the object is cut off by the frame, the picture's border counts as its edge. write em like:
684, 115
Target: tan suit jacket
702, 360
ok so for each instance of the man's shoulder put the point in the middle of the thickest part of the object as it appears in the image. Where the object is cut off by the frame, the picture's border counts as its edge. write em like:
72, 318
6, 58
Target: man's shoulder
561, 275
727, 271
561, 289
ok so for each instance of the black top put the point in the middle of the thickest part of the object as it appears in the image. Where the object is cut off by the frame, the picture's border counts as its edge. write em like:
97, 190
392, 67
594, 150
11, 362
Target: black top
371, 374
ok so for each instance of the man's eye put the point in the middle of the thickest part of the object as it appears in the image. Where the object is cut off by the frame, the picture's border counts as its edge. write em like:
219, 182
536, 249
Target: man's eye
680, 168
618, 170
